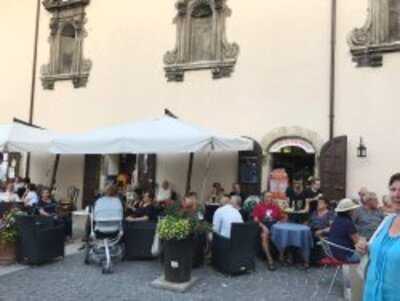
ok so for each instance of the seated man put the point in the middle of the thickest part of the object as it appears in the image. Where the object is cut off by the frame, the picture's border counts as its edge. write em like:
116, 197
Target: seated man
297, 202
368, 217
266, 214
226, 215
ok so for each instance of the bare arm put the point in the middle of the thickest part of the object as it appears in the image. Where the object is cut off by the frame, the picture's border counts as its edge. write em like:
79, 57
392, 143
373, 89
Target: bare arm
355, 238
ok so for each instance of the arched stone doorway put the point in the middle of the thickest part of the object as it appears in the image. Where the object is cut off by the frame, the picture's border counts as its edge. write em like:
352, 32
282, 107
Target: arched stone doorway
297, 138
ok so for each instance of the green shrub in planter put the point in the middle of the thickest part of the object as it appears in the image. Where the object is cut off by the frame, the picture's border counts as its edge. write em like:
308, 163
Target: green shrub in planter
178, 231
173, 227
8, 237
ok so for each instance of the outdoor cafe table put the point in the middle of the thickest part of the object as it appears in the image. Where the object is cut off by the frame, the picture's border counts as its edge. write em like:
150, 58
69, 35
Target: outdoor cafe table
293, 235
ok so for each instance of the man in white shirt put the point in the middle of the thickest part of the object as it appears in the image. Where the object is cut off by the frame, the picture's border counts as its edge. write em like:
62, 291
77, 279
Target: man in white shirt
226, 215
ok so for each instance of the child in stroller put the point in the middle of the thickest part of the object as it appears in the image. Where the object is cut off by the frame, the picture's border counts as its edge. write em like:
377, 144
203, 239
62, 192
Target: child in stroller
106, 230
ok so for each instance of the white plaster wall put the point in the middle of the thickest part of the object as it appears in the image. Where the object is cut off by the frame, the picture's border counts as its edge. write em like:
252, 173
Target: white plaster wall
367, 106
281, 80
207, 169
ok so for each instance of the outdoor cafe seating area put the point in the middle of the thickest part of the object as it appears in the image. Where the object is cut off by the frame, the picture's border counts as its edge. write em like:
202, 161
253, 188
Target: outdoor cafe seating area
145, 223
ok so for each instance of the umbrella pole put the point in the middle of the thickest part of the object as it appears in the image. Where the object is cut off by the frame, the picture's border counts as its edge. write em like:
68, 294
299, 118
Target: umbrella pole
189, 173
54, 173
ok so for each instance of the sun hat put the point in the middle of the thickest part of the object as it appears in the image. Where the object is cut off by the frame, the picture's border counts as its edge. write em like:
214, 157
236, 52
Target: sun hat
347, 205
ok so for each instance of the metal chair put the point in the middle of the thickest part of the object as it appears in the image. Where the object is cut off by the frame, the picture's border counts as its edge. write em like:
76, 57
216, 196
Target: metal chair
330, 260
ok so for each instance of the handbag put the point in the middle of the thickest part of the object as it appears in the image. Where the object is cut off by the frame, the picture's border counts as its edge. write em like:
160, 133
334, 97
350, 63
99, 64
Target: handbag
362, 268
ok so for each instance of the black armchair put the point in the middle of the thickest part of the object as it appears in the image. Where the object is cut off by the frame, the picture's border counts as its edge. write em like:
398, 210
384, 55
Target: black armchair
139, 238
235, 255
41, 239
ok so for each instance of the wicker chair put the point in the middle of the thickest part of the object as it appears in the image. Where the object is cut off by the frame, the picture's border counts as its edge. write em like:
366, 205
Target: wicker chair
236, 255
41, 239
139, 238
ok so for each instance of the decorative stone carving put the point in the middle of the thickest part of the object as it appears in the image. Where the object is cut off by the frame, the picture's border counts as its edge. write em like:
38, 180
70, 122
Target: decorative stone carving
380, 33
201, 41
67, 33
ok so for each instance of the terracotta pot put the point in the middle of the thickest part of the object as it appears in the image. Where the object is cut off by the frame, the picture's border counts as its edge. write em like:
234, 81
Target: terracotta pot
7, 253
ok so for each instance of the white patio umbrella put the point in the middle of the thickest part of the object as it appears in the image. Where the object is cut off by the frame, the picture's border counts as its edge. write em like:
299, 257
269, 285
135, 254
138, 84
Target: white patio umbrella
163, 135
16, 137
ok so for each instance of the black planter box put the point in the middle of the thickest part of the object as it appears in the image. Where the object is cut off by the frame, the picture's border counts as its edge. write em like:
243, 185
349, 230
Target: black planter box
139, 238
178, 256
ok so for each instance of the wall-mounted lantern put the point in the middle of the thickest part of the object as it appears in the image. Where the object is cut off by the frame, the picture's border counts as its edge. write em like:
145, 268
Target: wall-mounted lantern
361, 149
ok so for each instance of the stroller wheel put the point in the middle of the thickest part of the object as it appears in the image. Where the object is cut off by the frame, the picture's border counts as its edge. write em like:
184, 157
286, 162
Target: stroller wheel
107, 268
87, 254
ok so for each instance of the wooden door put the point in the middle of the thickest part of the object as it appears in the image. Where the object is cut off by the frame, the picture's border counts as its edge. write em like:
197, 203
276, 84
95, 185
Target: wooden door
147, 171
91, 179
250, 170
333, 168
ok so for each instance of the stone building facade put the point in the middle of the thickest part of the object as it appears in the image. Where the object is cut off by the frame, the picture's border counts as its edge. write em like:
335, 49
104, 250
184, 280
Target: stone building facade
269, 63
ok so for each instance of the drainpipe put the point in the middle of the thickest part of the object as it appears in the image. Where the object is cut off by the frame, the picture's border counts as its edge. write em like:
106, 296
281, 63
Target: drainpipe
332, 76
33, 82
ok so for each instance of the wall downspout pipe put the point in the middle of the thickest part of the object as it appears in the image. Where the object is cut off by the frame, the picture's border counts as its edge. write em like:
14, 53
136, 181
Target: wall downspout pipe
332, 76
33, 83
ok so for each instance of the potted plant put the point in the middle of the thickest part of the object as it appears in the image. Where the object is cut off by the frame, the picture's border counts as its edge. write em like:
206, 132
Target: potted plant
8, 237
179, 231
176, 234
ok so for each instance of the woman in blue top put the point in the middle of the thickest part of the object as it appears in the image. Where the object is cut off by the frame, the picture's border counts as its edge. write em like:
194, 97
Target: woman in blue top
382, 282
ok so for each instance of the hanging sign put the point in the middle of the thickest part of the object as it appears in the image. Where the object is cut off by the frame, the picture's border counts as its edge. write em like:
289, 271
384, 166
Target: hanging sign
296, 142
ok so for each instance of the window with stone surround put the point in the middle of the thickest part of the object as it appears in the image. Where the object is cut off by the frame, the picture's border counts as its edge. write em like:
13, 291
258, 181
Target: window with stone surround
379, 35
67, 33
201, 41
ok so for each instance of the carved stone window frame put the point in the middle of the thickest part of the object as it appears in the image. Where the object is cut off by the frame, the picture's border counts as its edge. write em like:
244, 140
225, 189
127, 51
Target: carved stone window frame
369, 43
66, 12
178, 61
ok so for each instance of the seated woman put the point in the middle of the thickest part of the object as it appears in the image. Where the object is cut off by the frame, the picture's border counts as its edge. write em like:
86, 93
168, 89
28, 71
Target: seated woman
216, 195
143, 210
9, 195
343, 232
48, 207
190, 206
321, 219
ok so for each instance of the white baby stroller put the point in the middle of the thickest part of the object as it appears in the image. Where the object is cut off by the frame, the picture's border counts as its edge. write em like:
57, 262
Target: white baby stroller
106, 230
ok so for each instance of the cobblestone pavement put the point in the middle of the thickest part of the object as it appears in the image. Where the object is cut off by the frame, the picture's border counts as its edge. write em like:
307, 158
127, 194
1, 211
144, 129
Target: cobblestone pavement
70, 279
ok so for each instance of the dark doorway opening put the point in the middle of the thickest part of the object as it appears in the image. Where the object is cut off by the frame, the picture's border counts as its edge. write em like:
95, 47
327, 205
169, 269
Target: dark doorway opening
297, 163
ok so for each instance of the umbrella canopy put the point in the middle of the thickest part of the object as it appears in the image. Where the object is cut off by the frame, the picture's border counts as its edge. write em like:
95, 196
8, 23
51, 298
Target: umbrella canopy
16, 137
163, 135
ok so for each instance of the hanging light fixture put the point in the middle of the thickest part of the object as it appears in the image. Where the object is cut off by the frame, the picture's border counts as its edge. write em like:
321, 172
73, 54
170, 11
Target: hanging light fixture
361, 149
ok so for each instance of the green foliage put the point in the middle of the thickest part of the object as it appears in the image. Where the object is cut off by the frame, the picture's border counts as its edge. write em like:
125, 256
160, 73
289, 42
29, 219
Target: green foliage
8, 227
172, 227
179, 224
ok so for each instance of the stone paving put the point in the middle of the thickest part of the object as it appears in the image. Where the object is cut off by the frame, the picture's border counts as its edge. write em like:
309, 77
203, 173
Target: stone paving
70, 279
